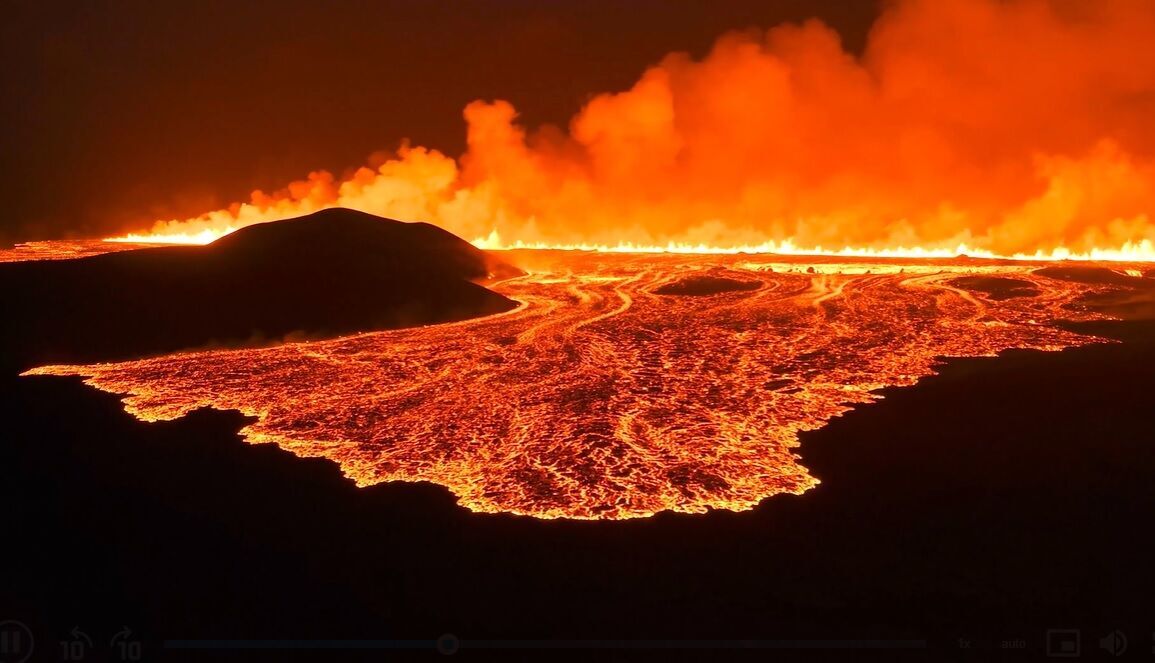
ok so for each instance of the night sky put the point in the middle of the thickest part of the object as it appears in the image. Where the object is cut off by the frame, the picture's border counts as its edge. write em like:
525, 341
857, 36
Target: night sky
117, 113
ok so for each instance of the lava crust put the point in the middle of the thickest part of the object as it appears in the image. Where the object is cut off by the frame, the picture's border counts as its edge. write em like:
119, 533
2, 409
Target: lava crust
705, 285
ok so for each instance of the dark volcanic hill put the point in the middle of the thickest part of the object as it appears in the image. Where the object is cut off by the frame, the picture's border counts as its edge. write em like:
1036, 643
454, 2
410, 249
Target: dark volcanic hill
333, 272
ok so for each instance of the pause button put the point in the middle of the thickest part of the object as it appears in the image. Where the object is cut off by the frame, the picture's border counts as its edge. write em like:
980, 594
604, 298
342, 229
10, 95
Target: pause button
15, 642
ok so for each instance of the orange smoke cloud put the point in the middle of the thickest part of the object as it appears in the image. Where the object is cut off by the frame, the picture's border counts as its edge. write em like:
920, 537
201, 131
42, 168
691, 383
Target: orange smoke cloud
1007, 126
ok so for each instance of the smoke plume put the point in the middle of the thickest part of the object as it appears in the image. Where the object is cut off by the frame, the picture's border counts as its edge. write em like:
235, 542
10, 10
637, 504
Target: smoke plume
1009, 126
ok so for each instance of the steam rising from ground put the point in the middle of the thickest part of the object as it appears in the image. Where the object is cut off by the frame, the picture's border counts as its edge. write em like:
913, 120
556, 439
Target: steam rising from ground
1013, 126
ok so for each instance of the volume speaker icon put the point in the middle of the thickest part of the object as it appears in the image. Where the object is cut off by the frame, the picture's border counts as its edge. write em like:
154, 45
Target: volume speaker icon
1114, 643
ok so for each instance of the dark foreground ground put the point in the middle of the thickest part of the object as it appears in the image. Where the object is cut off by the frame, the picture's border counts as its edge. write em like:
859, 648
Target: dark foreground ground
317, 276
993, 502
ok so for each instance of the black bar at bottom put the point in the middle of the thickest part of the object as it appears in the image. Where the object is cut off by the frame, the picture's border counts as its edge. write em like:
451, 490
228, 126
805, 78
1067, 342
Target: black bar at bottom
547, 644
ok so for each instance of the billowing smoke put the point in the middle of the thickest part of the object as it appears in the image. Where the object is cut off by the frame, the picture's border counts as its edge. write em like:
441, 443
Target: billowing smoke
1011, 126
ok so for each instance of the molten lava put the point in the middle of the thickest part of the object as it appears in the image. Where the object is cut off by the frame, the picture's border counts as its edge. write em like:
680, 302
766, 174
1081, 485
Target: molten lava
602, 398
68, 249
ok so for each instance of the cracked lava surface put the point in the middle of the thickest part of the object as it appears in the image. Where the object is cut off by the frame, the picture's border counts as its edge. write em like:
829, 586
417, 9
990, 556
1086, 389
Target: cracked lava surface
600, 397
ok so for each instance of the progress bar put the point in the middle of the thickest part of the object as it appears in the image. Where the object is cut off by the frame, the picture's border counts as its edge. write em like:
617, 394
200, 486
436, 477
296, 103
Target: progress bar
442, 643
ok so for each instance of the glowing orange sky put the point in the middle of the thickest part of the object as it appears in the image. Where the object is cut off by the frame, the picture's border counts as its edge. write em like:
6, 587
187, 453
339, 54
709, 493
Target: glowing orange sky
1010, 127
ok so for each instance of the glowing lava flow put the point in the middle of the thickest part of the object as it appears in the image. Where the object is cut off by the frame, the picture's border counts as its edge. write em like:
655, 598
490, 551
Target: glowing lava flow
193, 238
1142, 251
67, 249
600, 397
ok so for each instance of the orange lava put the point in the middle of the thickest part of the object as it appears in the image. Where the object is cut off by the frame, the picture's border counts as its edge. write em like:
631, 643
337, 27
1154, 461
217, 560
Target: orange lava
1142, 251
599, 398
67, 249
